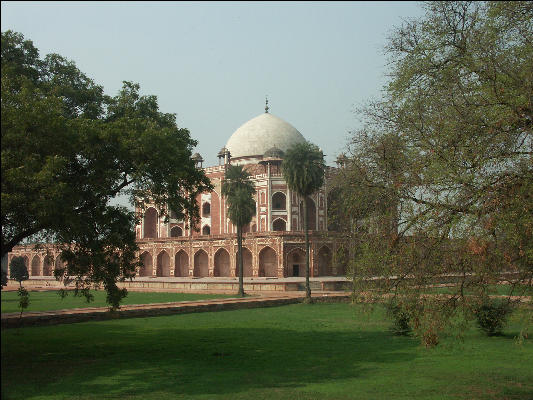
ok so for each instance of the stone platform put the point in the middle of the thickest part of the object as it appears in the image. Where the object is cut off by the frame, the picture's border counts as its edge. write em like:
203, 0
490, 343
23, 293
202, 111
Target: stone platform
213, 285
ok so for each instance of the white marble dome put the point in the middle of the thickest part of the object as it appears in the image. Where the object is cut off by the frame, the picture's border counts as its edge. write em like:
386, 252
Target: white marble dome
260, 134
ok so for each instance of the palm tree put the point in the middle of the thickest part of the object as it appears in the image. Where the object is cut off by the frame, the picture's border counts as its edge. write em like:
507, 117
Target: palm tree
303, 169
238, 191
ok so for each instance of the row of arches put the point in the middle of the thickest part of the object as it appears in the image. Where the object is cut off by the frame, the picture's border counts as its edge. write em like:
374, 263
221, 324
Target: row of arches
42, 265
223, 266
279, 203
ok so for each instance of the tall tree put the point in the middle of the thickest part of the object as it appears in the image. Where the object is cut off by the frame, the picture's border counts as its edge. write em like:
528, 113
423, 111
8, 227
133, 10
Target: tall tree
239, 191
449, 148
68, 149
303, 169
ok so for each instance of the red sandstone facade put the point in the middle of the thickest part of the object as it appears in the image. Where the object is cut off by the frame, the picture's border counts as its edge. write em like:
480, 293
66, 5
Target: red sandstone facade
274, 243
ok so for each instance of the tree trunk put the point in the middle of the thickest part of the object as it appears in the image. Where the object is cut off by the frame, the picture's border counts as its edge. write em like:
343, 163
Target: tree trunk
239, 261
306, 225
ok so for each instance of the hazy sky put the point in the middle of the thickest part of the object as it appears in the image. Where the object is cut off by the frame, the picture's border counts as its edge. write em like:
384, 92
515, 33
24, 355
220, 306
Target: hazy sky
213, 63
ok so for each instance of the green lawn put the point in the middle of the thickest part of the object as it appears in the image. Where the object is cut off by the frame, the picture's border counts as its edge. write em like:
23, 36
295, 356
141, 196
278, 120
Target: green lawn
502, 290
50, 300
320, 351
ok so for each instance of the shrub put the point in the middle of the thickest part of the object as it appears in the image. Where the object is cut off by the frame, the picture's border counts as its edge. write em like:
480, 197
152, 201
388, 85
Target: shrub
491, 316
401, 318
18, 270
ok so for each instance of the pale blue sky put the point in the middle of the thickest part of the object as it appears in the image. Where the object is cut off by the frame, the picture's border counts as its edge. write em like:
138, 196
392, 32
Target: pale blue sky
213, 63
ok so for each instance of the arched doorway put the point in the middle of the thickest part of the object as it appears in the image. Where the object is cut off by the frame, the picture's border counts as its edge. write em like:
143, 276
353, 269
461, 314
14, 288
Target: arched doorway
247, 269
59, 263
296, 263
206, 230
279, 225
222, 263
201, 268
324, 261
279, 201
176, 232
181, 264
163, 264
47, 266
340, 261
36, 266
150, 223
206, 210
268, 262
147, 268
26, 262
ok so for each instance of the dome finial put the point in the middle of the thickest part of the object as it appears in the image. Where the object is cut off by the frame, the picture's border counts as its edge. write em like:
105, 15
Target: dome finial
266, 105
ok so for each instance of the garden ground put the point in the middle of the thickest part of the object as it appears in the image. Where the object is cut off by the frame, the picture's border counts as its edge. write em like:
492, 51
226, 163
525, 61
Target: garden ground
317, 351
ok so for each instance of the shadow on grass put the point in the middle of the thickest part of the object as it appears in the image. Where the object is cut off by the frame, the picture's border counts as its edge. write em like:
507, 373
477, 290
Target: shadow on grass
200, 361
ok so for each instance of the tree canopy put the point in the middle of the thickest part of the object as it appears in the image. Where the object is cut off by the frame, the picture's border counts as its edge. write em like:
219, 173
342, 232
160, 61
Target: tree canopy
68, 149
440, 179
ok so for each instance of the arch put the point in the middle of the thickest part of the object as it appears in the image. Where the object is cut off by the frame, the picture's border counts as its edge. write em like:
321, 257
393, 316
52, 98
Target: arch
247, 260
36, 266
201, 267
222, 263
268, 262
181, 264
206, 209
59, 263
150, 223
147, 268
206, 230
48, 262
254, 228
341, 260
26, 262
279, 201
296, 262
246, 228
279, 225
324, 261
163, 264
173, 214
176, 232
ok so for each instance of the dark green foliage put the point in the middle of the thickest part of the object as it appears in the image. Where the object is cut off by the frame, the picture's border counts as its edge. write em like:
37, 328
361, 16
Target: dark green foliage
401, 318
18, 270
68, 150
492, 315
239, 192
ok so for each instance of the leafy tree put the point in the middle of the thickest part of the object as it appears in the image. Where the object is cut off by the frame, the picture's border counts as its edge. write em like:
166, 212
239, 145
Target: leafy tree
18, 270
68, 149
239, 192
303, 169
439, 180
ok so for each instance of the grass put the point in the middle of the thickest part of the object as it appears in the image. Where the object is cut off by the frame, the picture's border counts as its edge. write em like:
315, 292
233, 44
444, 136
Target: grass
502, 290
316, 351
50, 300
